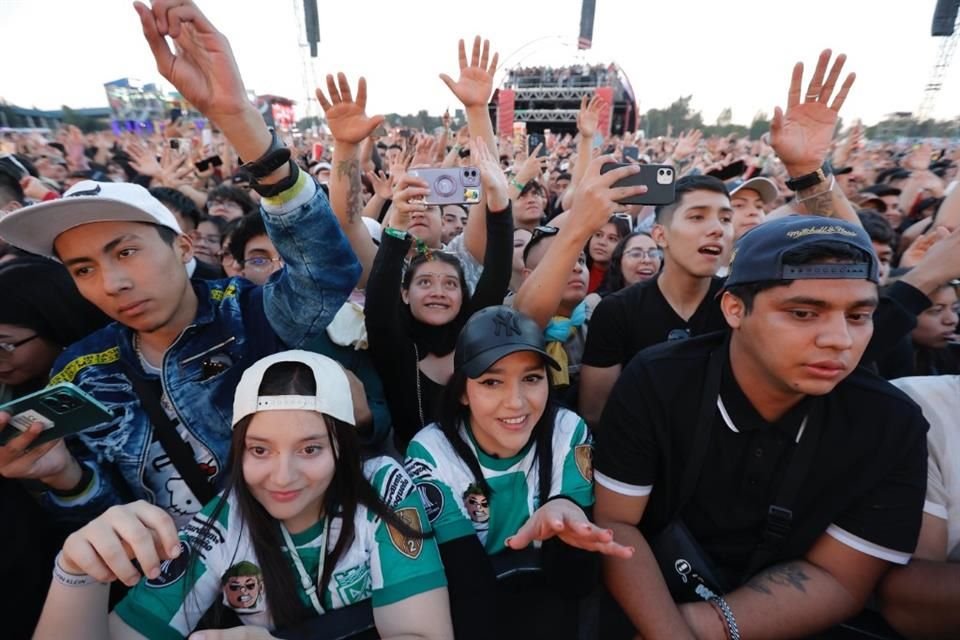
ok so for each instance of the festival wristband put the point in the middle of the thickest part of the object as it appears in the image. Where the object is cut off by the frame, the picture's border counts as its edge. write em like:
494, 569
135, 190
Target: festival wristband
70, 579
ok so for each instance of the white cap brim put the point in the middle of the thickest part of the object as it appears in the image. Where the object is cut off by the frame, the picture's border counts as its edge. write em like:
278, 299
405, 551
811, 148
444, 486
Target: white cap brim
766, 187
333, 397
35, 228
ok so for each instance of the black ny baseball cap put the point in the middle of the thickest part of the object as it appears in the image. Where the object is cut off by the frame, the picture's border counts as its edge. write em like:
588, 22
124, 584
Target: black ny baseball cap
493, 333
758, 254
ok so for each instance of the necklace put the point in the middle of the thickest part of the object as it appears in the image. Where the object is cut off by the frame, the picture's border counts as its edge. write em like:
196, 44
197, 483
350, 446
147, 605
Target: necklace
144, 363
308, 585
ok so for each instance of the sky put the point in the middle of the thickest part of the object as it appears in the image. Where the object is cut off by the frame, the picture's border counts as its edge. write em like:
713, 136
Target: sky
734, 53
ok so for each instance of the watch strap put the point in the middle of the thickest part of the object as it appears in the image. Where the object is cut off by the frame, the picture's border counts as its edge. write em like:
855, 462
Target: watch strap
275, 189
276, 155
811, 179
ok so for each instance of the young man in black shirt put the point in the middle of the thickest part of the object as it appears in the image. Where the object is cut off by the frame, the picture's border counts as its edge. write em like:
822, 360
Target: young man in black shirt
809, 473
696, 234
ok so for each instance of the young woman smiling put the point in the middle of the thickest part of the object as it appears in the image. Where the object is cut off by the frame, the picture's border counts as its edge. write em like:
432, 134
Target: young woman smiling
502, 468
304, 528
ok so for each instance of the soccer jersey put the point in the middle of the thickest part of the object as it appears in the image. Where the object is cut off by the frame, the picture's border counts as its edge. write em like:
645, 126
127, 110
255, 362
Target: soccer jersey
457, 507
217, 562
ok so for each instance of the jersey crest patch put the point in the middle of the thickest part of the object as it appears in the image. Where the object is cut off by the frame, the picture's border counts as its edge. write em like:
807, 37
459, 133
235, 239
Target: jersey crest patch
583, 455
432, 498
408, 546
353, 585
172, 570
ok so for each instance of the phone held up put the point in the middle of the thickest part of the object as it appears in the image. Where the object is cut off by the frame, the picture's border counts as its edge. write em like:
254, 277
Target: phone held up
63, 409
455, 185
660, 180
534, 140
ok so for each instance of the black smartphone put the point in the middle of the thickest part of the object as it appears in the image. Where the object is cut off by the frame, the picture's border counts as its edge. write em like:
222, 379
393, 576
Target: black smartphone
533, 140
631, 153
63, 409
174, 143
206, 163
660, 180
732, 170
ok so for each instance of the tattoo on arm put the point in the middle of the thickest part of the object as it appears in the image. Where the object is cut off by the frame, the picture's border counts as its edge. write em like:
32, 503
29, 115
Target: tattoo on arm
784, 575
817, 201
350, 170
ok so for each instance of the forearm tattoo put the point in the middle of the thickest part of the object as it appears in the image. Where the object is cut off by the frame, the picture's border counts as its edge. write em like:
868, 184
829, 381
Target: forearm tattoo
817, 203
784, 575
350, 171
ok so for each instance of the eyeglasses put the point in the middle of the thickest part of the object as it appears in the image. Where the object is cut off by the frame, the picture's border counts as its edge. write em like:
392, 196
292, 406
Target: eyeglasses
640, 254
7, 348
260, 263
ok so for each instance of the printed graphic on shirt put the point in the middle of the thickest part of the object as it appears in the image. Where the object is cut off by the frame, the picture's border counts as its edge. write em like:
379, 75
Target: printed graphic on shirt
353, 585
405, 544
172, 570
583, 455
432, 498
242, 587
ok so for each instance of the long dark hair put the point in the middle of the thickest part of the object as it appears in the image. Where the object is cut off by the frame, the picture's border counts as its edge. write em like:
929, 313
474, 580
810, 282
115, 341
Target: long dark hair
348, 489
623, 229
613, 281
429, 339
454, 413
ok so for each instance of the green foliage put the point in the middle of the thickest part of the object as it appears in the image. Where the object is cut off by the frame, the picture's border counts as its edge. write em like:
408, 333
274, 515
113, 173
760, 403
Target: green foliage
84, 123
906, 125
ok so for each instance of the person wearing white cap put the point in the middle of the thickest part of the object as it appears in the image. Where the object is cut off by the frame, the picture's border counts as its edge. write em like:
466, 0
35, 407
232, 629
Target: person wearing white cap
750, 200
304, 530
168, 365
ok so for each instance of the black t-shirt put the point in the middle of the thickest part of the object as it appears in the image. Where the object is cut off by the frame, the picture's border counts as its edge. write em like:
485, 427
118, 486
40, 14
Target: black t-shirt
639, 316
865, 488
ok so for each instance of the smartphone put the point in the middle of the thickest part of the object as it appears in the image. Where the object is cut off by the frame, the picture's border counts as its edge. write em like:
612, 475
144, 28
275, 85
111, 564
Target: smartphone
732, 170
631, 153
206, 163
62, 409
660, 180
456, 185
533, 140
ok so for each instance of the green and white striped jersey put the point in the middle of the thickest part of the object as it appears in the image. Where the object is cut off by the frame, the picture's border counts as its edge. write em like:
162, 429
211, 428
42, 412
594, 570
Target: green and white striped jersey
456, 507
219, 562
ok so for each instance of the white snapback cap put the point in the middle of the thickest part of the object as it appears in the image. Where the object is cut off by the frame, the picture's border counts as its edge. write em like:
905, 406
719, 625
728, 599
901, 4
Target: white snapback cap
35, 228
333, 396
766, 187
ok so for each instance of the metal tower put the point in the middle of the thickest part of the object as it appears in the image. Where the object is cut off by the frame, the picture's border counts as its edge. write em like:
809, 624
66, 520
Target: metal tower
948, 46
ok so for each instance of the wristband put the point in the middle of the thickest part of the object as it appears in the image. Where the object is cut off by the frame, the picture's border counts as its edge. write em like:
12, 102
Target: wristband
396, 233
516, 183
275, 189
276, 155
86, 476
70, 579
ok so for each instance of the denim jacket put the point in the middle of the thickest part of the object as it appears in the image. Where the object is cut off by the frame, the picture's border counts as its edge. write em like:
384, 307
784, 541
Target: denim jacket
237, 323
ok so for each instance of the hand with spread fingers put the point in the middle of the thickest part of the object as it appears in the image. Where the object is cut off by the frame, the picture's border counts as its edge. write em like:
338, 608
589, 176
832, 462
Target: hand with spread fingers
564, 519
203, 69
588, 117
104, 548
347, 117
475, 85
802, 134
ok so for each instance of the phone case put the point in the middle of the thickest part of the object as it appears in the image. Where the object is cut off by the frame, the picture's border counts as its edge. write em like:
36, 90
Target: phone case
660, 180
454, 185
62, 409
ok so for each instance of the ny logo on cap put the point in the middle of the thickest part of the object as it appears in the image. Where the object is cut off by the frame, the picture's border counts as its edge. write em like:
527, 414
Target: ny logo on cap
89, 192
506, 321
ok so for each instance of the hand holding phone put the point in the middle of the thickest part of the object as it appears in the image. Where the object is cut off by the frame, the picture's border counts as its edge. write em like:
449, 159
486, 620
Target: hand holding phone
454, 185
659, 179
61, 410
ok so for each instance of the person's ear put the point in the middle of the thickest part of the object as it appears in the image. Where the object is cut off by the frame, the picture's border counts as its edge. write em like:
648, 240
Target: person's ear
733, 309
183, 246
405, 295
659, 235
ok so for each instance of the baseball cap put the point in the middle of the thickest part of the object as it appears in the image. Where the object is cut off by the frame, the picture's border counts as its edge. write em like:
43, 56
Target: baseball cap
35, 228
766, 187
758, 254
333, 396
493, 333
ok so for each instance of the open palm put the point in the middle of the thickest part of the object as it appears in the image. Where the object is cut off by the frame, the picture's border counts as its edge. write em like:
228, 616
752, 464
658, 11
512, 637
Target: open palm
475, 84
347, 118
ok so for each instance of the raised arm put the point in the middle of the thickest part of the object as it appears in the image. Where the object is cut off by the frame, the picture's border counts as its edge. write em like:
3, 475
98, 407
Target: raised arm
473, 89
349, 125
588, 119
801, 135
594, 203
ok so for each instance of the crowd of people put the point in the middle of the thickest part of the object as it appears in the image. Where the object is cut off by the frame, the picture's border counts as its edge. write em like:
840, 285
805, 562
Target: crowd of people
339, 410
575, 75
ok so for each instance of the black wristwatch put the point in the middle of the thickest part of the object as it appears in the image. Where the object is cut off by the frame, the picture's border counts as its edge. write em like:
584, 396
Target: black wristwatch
276, 155
811, 179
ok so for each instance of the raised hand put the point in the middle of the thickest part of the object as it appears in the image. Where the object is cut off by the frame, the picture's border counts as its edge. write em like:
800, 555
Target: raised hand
919, 158
801, 136
408, 195
203, 69
382, 186
595, 198
565, 520
347, 118
532, 166
475, 85
588, 118
105, 547
425, 153
686, 144
491, 176
143, 159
